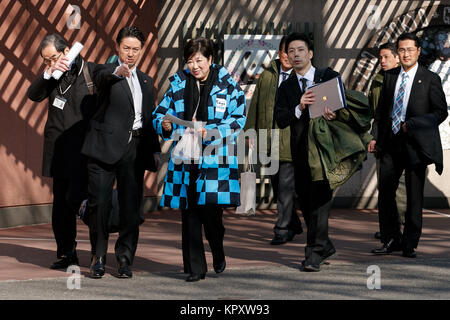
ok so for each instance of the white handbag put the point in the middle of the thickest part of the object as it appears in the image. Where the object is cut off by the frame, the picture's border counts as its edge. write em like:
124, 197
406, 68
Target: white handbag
248, 189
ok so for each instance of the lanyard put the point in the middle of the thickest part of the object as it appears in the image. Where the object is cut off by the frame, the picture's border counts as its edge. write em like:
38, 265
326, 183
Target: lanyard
60, 90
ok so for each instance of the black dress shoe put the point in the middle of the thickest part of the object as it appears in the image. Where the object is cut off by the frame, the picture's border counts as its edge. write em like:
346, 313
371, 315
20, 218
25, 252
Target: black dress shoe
219, 268
124, 269
377, 235
65, 262
310, 267
388, 248
97, 267
278, 239
195, 277
291, 234
409, 253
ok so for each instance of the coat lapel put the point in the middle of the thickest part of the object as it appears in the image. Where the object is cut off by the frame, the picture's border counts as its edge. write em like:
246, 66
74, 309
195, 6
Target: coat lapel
415, 88
392, 81
144, 83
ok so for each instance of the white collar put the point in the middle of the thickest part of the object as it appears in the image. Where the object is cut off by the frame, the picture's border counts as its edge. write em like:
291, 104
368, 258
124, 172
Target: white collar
411, 73
308, 75
288, 72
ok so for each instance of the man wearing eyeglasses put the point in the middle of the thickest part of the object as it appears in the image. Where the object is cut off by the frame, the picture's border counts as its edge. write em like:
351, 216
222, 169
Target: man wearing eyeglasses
72, 102
405, 132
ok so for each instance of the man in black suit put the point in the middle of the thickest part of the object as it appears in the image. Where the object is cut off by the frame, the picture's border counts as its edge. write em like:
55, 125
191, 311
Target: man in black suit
121, 144
71, 104
405, 132
291, 110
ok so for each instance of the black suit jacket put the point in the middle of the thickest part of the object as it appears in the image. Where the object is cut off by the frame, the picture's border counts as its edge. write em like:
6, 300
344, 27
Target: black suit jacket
65, 129
109, 133
288, 97
427, 108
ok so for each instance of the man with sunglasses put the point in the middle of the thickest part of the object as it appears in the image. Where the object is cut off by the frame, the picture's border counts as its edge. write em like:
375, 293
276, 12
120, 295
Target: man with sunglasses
405, 133
71, 103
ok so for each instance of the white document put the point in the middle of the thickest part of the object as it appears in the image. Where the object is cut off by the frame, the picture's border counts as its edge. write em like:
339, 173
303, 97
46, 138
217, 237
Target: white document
184, 123
71, 55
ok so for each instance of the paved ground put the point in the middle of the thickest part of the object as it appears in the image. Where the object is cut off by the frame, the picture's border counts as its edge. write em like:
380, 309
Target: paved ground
255, 269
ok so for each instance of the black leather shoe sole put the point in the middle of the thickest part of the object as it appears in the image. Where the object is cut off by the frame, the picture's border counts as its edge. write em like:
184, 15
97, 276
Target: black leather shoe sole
278, 240
195, 277
311, 268
64, 263
125, 273
221, 267
409, 254
383, 251
96, 274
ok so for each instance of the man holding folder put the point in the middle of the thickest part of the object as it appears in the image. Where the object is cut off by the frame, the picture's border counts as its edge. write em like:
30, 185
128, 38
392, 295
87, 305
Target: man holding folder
291, 109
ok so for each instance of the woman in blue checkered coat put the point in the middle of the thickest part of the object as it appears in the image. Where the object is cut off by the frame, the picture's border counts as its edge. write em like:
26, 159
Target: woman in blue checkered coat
201, 181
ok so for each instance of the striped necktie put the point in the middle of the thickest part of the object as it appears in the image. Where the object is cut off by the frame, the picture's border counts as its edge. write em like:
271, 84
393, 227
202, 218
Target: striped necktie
304, 84
398, 105
284, 76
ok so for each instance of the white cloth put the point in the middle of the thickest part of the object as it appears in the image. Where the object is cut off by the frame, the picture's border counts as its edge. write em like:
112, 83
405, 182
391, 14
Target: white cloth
136, 91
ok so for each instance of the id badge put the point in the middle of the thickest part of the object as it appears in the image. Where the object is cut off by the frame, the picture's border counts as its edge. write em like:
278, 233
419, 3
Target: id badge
221, 105
59, 102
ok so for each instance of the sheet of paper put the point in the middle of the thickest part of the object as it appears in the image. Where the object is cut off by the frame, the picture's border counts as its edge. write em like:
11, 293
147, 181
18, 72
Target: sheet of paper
184, 123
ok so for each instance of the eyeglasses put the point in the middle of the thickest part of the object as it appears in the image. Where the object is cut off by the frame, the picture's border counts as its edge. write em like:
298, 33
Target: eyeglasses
409, 50
53, 58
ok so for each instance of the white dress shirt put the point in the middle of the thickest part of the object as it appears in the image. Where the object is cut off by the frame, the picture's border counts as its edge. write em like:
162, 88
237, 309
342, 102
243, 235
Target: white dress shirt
409, 82
136, 91
309, 82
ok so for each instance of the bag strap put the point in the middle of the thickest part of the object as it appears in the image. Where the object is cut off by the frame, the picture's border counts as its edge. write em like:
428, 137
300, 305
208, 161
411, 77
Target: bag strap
87, 77
249, 163
198, 102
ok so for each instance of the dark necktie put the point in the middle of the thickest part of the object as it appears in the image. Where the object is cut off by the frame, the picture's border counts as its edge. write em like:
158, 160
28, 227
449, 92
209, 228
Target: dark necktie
304, 85
284, 76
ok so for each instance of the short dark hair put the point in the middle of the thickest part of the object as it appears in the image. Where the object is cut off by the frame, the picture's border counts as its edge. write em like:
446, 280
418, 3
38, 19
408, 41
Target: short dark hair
130, 32
388, 46
55, 40
202, 45
409, 36
299, 36
282, 43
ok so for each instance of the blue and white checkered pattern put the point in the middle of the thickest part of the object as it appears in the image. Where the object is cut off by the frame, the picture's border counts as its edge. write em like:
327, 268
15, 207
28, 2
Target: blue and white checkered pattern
218, 182
398, 105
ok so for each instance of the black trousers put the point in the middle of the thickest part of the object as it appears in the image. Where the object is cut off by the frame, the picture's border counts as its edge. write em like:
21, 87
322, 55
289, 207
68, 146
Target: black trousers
192, 220
283, 184
392, 163
68, 193
129, 173
315, 203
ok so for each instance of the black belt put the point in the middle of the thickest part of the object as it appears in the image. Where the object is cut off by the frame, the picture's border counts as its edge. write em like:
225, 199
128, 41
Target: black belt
137, 132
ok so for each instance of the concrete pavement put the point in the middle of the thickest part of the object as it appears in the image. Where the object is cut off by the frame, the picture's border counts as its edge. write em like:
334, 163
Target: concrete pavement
255, 269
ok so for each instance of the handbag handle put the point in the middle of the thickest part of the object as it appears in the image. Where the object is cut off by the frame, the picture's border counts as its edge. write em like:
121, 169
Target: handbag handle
249, 162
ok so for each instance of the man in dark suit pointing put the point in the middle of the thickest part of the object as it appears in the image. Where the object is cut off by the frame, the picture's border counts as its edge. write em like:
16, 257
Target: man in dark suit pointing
121, 144
405, 132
